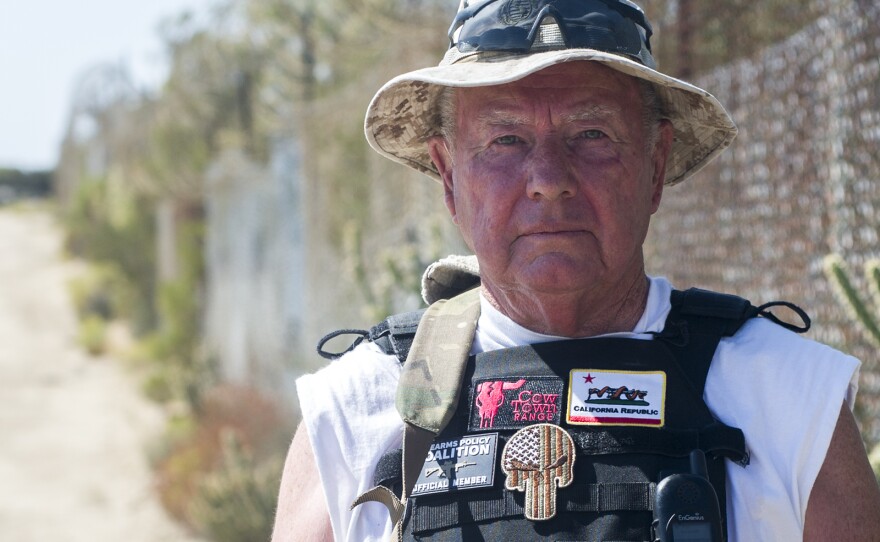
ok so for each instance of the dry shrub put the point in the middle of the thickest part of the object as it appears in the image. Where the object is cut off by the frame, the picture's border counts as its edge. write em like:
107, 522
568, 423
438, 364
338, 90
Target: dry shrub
257, 424
237, 502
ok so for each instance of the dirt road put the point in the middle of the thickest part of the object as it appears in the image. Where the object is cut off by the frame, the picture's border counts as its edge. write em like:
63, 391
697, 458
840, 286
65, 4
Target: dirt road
73, 428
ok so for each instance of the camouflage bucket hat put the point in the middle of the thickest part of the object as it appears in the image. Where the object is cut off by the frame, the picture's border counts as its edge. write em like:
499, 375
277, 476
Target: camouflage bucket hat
493, 42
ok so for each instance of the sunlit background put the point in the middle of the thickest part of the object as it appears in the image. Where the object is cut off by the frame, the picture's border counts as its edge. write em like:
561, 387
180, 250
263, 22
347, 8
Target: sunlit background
187, 204
48, 46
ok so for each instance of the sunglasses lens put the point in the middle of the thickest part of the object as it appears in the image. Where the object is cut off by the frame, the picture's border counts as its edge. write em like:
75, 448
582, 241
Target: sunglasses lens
519, 26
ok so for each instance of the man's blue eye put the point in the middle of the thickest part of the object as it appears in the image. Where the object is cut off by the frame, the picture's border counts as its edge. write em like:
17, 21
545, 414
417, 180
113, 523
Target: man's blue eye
507, 140
592, 134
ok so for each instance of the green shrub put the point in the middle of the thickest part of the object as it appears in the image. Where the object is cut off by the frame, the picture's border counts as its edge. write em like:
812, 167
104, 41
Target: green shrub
116, 233
158, 386
181, 369
92, 332
874, 458
96, 291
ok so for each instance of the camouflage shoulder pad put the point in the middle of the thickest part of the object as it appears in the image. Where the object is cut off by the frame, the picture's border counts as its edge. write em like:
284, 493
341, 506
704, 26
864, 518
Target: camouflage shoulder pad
430, 382
449, 277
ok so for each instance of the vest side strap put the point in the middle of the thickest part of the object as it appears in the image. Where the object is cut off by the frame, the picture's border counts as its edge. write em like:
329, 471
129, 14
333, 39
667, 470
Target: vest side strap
416, 443
382, 495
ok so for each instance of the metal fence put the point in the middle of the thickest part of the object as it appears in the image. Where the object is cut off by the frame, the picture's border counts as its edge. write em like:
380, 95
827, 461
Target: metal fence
801, 181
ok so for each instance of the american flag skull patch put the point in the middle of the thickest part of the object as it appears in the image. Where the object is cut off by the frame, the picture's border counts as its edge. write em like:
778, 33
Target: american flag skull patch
537, 460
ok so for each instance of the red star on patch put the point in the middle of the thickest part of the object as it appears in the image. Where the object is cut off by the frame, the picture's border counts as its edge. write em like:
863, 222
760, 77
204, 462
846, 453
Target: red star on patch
589, 379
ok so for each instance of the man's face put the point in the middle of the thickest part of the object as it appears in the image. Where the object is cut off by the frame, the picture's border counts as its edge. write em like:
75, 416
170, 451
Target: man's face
552, 179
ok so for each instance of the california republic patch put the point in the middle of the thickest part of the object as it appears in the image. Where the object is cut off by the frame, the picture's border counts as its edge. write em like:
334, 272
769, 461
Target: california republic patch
601, 397
515, 402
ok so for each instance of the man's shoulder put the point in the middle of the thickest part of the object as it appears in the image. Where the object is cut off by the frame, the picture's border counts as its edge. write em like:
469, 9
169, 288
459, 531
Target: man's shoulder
368, 355
762, 334
351, 393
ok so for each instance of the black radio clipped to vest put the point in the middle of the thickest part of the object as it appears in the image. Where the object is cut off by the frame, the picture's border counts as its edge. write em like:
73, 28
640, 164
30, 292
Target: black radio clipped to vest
686, 507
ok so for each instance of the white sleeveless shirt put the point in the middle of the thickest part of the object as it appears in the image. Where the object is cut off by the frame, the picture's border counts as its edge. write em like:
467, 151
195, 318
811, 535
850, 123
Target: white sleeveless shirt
782, 390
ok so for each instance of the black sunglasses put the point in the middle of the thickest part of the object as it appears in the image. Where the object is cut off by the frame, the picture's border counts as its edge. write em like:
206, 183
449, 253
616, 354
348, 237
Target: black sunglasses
613, 26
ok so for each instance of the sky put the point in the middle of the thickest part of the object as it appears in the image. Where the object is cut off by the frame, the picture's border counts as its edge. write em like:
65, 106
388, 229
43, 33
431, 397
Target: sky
45, 48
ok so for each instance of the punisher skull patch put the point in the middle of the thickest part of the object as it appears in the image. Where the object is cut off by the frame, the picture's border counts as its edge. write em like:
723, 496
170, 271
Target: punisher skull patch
538, 459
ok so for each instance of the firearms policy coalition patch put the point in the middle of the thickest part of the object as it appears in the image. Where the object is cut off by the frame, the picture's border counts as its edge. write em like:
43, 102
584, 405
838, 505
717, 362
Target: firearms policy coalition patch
463, 463
601, 397
515, 402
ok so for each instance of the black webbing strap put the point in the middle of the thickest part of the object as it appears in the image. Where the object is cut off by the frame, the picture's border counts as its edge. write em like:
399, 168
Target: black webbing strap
699, 319
716, 440
599, 498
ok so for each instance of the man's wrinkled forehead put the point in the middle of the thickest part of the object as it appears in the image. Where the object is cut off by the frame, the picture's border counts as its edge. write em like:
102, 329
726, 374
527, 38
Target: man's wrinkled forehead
509, 114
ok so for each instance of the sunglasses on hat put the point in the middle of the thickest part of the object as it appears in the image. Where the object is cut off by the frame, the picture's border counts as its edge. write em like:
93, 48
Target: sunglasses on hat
613, 26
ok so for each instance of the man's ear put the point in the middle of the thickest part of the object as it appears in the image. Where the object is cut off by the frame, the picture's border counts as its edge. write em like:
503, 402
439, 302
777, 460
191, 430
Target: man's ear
659, 158
438, 149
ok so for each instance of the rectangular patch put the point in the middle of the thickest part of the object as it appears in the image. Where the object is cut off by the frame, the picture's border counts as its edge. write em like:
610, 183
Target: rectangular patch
602, 397
457, 464
515, 402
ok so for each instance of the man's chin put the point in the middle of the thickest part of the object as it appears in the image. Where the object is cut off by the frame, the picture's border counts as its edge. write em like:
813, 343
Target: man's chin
557, 274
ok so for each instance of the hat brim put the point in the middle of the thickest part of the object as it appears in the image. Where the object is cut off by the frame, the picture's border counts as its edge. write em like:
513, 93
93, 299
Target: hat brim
403, 114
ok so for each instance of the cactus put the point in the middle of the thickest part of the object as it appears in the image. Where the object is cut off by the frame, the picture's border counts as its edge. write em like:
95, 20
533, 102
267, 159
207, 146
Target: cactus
838, 274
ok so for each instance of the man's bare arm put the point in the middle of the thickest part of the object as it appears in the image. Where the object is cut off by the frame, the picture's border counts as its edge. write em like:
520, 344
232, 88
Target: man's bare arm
845, 501
302, 509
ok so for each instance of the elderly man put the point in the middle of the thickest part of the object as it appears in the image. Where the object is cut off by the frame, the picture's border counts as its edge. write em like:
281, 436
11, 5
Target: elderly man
562, 398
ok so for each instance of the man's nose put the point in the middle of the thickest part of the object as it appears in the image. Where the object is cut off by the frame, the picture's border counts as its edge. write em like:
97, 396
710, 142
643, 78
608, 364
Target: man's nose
549, 173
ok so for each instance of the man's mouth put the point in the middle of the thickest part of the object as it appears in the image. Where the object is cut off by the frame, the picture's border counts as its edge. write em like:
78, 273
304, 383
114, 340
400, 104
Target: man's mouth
552, 231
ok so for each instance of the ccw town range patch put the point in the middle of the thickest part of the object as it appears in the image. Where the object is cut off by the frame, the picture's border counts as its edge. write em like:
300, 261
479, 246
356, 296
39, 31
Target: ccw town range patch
602, 397
515, 402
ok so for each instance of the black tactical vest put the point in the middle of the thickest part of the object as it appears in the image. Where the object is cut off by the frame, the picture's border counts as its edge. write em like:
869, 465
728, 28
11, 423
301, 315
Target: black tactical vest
633, 409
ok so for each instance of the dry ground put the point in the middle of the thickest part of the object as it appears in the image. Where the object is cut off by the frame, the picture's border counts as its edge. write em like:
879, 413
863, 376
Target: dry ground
73, 428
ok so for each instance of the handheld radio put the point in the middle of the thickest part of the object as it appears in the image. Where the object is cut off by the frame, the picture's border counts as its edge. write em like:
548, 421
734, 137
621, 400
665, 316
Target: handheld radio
686, 506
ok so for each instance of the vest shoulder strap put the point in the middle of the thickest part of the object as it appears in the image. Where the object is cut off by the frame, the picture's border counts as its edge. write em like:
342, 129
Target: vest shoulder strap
431, 378
726, 313
430, 383
695, 302
699, 319
396, 333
